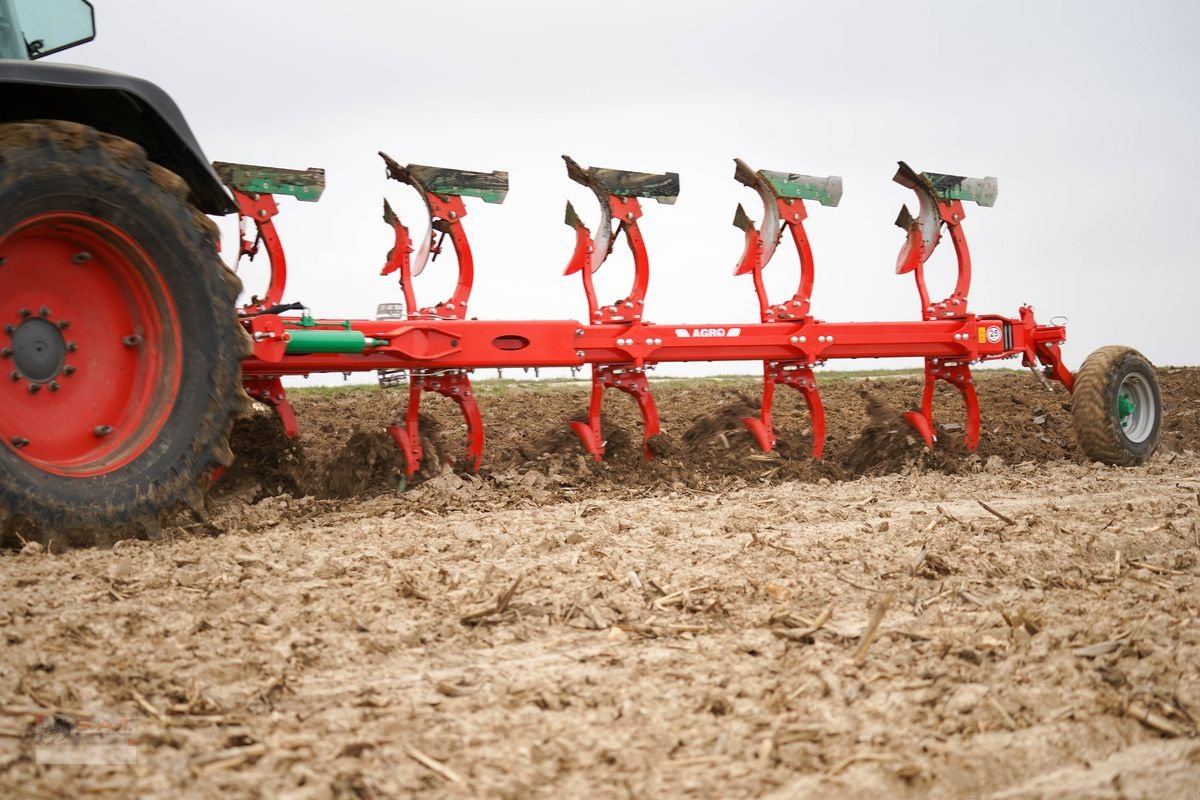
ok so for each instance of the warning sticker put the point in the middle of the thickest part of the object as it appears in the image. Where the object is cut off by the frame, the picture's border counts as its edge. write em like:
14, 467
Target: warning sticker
990, 333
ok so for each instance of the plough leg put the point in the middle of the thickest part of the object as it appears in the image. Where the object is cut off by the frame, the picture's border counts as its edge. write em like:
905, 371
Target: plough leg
454, 385
632, 381
408, 436
271, 392
958, 376
800, 378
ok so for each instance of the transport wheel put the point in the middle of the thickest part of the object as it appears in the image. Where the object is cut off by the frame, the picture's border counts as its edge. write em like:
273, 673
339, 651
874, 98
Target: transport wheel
1117, 406
120, 351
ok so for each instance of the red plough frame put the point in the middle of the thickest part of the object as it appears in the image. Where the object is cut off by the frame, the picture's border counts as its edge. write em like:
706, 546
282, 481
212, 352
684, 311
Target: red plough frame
440, 346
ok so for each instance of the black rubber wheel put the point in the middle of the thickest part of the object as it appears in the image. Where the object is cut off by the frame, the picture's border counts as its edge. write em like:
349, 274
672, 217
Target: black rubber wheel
120, 373
1117, 406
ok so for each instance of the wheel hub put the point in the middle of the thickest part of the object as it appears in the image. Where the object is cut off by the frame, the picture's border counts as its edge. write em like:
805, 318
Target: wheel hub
1136, 412
38, 350
1125, 408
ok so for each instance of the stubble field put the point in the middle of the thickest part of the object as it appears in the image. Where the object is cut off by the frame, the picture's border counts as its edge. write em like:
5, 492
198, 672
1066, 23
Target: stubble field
1017, 623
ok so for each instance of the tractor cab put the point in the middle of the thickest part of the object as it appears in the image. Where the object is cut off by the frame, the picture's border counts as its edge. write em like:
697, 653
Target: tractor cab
31, 29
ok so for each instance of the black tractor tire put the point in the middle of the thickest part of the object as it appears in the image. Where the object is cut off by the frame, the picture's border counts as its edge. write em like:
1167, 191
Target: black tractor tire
1107, 427
63, 188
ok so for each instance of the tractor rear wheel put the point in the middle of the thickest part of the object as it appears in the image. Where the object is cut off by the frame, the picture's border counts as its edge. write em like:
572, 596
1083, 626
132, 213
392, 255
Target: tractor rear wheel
120, 351
1117, 406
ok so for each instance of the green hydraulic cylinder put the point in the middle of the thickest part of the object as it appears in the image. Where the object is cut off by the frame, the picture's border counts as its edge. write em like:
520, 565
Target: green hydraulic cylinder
325, 341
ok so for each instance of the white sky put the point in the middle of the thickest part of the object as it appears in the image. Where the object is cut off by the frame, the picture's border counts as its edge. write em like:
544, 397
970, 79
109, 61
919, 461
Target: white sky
1088, 112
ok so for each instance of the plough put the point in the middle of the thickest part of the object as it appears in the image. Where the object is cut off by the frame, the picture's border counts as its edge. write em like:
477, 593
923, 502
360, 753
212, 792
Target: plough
124, 357
439, 345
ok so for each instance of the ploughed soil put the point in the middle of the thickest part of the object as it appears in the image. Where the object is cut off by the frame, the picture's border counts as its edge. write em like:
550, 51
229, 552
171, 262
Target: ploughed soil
716, 622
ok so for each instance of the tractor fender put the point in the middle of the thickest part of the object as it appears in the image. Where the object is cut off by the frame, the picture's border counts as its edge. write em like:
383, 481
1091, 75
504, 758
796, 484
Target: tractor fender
121, 105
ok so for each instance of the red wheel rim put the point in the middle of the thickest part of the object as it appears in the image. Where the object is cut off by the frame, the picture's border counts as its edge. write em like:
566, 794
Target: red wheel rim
90, 345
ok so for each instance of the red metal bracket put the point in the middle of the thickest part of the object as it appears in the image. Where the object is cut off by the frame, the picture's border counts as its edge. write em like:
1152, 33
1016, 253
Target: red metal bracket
269, 335
591, 252
454, 384
801, 378
271, 392
1044, 345
959, 376
632, 381
445, 217
259, 209
923, 236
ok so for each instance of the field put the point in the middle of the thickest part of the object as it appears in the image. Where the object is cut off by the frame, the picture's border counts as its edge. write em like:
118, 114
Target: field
1017, 623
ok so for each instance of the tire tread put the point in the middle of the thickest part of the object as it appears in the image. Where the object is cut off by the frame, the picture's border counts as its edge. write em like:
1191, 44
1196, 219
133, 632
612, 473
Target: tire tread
1096, 429
53, 147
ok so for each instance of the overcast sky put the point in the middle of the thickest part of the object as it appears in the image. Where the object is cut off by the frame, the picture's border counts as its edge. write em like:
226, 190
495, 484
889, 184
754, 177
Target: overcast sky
1088, 113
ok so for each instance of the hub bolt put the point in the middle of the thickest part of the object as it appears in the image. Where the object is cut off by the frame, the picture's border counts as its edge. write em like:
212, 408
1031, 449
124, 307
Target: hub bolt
45, 312
72, 347
63, 324
68, 370
6, 352
34, 388
18, 442
102, 430
25, 313
9, 329
54, 387
82, 257
14, 376
132, 340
